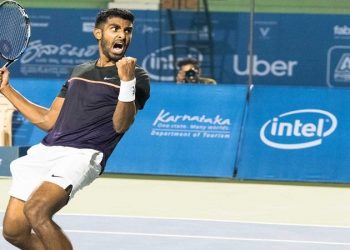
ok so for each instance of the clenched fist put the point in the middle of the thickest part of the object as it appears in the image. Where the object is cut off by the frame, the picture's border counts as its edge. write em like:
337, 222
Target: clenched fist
126, 68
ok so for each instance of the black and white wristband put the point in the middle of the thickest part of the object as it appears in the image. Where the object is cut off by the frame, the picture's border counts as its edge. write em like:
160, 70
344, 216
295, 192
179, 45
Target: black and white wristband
127, 91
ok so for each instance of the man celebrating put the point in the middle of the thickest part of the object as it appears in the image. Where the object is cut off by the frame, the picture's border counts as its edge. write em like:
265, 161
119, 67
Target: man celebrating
85, 122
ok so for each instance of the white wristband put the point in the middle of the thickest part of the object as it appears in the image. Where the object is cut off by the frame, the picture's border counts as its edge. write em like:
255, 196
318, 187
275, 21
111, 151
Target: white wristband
127, 91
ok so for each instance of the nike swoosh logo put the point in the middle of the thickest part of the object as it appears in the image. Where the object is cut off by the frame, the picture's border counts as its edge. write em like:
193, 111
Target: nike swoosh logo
56, 176
109, 78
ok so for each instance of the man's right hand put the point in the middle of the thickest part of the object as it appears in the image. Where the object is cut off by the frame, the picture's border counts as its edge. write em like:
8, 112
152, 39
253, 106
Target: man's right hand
180, 77
126, 68
4, 78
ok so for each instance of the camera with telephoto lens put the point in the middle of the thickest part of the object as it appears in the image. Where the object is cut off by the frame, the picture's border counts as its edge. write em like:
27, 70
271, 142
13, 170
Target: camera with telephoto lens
191, 76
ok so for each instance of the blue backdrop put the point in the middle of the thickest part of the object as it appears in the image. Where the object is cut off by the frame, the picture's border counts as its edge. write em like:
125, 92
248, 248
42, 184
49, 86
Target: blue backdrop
184, 130
63, 38
290, 133
296, 133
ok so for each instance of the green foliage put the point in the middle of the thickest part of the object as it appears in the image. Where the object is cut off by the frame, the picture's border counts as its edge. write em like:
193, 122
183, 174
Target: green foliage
81, 4
283, 6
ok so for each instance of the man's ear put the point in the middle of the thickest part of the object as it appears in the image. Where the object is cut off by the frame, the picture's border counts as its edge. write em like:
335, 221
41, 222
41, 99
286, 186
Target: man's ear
98, 33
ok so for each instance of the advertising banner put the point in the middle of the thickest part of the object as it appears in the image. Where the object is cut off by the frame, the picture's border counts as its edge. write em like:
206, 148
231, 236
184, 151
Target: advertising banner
184, 129
300, 49
290, 133
38, 91
7, 155
189, 130
296, 134
63, 38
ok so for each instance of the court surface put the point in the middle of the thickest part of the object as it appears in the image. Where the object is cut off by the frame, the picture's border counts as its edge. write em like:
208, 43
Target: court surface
161, 214
137, 233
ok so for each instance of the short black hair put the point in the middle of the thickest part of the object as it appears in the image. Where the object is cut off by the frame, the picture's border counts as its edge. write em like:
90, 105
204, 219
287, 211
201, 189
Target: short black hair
188, 60
103, 15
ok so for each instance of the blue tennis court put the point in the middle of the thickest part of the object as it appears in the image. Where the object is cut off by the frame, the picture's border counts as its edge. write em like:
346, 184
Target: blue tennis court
91, 232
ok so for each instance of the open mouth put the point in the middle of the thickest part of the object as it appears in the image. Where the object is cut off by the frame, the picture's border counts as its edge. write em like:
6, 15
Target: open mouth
118, 47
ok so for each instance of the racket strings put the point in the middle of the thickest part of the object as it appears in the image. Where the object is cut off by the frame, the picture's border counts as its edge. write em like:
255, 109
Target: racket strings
13, 31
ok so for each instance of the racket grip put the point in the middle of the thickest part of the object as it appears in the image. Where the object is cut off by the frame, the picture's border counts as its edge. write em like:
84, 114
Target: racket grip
8, 63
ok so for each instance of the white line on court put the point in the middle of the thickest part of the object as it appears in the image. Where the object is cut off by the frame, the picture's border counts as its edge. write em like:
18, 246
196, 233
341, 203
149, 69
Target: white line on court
201, 219
210, 237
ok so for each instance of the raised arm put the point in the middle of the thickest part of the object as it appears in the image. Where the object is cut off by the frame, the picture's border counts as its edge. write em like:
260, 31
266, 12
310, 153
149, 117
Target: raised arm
42, 117
126, 109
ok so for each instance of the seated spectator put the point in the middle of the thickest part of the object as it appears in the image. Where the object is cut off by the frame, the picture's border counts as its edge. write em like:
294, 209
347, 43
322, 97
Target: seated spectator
190, 72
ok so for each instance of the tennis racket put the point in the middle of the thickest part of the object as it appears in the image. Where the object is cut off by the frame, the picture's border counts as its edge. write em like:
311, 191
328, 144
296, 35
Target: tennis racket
14, 31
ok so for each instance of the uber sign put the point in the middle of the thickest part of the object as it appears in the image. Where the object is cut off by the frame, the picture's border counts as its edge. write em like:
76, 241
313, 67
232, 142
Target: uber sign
263, 67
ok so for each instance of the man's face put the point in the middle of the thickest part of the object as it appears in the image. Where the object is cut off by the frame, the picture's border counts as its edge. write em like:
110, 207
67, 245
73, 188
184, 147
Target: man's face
188, 73
187, 67
116, 35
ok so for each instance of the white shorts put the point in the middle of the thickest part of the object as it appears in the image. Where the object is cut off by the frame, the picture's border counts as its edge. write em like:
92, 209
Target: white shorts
64, 166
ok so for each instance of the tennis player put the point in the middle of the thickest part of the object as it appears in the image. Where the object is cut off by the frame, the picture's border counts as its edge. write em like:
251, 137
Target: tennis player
85, 122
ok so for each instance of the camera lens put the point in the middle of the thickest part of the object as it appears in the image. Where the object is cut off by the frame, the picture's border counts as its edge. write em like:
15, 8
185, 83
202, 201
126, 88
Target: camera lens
191, 75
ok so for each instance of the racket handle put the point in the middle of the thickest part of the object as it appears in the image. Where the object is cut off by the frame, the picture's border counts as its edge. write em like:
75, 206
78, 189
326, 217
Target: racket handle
8, 63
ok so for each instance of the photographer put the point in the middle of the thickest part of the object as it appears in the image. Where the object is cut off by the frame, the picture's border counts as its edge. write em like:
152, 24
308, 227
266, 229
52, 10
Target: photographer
189, 72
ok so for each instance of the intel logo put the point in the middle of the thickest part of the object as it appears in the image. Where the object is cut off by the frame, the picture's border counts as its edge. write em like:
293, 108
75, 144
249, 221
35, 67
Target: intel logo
298, 129
160, 63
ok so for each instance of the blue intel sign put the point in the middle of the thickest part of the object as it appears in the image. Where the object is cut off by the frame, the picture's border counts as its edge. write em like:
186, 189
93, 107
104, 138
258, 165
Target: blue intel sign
296, 134
298, 129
